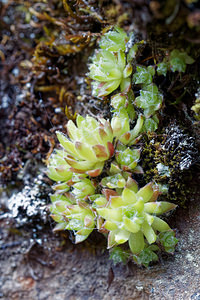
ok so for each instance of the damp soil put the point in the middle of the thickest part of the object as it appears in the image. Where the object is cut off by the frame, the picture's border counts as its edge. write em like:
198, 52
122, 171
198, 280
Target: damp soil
43, 61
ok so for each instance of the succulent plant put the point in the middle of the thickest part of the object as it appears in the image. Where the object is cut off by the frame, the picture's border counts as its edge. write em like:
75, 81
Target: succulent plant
83, 187
114, 181
176, 61
144, 75
118, 255
118, 101
114, 40
86, 152
127, 158
150, 100
168, 240
109, 69
99, 161
58, 168
151, 124
131, 216
162, 68
77, 217
121, 127
147, 255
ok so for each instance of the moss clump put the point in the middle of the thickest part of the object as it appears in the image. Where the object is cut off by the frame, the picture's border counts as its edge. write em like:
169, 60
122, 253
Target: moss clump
167, 159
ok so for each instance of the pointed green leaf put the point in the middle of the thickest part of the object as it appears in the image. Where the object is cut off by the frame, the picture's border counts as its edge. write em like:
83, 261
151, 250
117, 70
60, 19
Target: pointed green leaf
115, 201
127, 71
130, 225
101, 152
69, 146
146, 192
139, 205
128, 196
125, 85
136, 242
158, 208
72, 130
160, 225
131, 184
101, 201
59, 226
80, 238
111, 239
80, 165
114, 215
110, 225
122, 236
148, 233
80, 121
85, 151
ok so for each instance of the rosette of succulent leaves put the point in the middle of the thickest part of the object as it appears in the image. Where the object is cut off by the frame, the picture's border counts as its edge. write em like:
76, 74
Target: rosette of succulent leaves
96, 164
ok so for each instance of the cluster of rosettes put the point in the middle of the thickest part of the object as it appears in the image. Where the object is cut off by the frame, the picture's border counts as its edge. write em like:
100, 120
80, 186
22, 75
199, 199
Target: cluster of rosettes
96, 167
111, 68
90, 196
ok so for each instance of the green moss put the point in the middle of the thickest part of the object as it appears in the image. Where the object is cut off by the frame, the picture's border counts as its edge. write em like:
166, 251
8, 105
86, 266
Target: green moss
167, 158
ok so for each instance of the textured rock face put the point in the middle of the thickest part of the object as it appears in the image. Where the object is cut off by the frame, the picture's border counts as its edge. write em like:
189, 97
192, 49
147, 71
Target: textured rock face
32, 271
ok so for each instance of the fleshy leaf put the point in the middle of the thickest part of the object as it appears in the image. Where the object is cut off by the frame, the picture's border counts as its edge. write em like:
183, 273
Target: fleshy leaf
121, 236
160, 225
146, 192
136, 242
114, 181
158, 207
149, 233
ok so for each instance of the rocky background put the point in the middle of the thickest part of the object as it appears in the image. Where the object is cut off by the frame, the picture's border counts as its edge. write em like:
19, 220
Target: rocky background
44, 50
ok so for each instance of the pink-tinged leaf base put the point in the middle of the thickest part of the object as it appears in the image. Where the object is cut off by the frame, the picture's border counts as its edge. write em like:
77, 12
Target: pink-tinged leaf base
94, 173
125, 138
100, 152
108, 193
111, 148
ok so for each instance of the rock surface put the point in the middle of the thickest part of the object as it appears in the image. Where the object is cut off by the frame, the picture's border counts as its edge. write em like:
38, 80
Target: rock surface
30, 271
